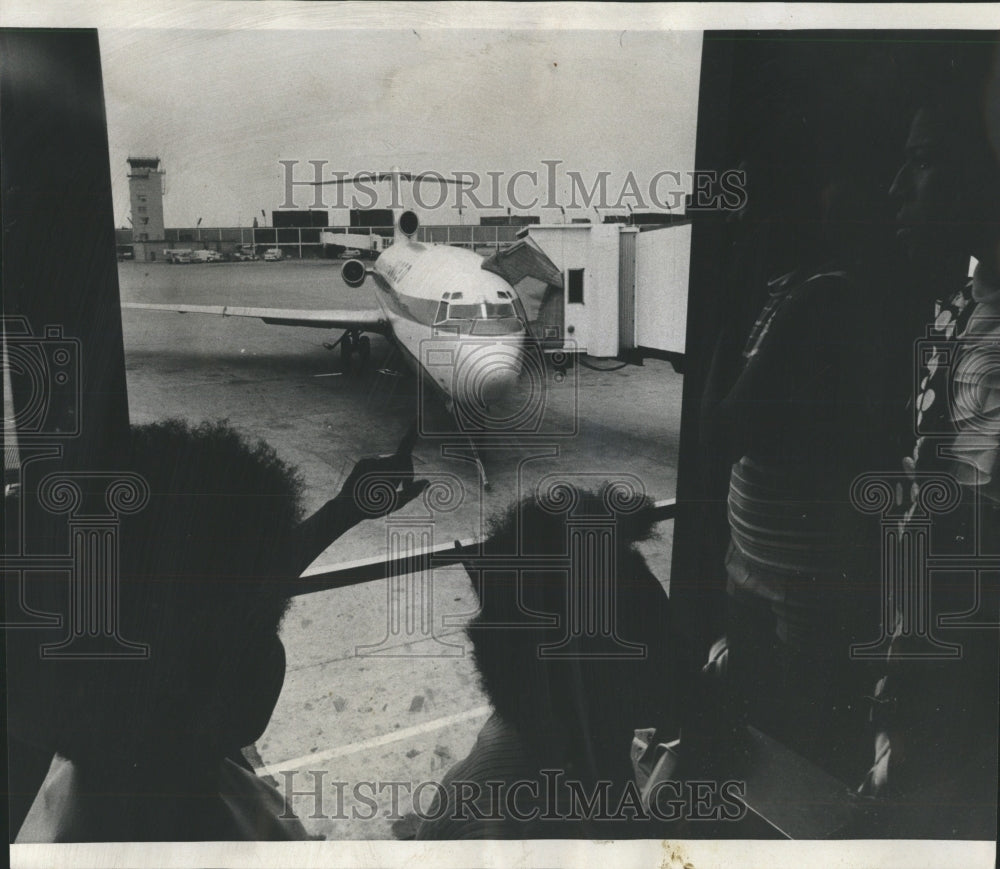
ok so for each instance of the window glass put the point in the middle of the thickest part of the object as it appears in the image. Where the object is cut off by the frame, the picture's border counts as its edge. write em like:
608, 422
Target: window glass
464, 312
495, 310
574, 289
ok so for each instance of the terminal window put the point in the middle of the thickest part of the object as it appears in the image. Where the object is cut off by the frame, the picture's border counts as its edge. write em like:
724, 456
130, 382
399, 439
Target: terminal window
574, 286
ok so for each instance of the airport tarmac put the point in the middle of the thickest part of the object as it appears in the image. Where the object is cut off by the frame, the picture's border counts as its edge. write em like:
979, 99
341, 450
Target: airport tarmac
362, 703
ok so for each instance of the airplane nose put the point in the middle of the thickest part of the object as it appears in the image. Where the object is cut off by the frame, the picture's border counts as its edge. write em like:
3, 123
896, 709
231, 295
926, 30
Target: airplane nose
489, 373
489, 387
496, 383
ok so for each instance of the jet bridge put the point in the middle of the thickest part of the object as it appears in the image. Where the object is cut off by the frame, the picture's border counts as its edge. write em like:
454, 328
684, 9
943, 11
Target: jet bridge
624, 287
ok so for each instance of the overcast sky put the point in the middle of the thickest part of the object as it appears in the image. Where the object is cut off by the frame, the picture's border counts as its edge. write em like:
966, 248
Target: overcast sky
222, 107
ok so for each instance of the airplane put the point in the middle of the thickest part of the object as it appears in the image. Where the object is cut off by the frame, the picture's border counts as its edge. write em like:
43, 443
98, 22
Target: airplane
455, 317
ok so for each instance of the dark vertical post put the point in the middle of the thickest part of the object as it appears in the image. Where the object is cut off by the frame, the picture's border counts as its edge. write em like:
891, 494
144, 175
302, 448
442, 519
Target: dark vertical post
695, 601
60, 280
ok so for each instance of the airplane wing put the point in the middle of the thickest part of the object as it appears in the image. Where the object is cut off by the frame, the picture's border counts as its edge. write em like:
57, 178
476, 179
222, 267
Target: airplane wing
364, 321
539, 286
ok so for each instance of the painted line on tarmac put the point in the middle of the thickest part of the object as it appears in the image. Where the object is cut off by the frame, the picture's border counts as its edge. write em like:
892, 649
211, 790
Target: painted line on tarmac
341, 750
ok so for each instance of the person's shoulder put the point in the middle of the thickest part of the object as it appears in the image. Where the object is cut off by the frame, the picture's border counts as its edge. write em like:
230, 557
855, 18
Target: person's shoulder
830, 284
257, 811
818, 301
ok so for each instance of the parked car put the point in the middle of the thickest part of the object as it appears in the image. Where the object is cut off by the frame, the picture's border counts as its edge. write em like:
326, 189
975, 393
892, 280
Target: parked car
206, 256
244, 254
177, 255
272, 255
351, 252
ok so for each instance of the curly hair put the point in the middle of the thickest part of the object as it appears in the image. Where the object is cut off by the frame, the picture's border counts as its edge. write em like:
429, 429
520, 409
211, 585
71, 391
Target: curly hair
586, 697
201, 570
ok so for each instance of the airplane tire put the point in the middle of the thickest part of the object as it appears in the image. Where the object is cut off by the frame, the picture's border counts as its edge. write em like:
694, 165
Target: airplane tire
364, 349
346, 351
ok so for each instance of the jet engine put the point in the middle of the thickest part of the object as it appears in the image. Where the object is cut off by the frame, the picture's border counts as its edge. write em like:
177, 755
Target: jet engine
353, 272
408, 223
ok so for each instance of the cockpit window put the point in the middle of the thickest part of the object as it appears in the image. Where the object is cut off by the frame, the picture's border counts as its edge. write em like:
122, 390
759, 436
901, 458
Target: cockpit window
494, 317
465, 312
496, 310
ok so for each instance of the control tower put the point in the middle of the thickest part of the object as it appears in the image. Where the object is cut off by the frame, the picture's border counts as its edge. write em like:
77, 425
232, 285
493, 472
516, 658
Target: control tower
145, 190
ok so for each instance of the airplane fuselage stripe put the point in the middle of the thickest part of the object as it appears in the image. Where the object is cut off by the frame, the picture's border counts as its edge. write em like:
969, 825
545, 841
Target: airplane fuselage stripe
417, 310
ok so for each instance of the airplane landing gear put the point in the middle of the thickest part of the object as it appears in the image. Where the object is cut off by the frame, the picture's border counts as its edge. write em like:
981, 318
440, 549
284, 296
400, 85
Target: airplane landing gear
351, 342
346, 351
479, 465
